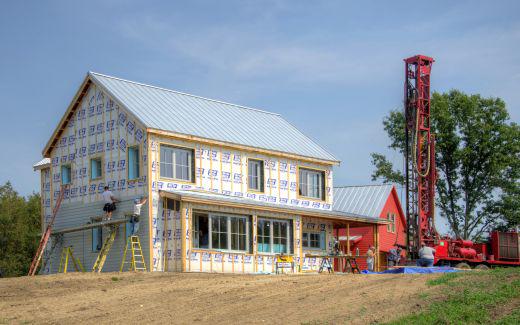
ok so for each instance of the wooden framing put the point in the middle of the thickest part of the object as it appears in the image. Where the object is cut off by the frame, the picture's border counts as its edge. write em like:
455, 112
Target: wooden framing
102, 175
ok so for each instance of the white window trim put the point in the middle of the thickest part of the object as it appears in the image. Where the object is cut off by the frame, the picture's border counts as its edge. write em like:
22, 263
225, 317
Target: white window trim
260, 175
271, 236
190, 166
228, 216
320, 233
307, 182
391, 227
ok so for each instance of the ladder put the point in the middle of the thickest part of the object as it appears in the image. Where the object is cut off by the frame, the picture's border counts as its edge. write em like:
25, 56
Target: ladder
64, 260
352, 266
137, 259
102, 256
46, 234
57, 240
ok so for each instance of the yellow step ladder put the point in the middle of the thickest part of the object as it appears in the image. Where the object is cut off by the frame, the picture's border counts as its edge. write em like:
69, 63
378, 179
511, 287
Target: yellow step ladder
66, 253
100, 260
137, 259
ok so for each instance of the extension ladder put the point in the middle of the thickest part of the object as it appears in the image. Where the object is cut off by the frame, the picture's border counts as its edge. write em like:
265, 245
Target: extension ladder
137, 259
102, 256
64, 260
46, 234
57, 240
352, 266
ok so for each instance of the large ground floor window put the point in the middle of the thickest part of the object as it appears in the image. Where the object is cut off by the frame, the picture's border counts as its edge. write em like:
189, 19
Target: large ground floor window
221, 232
274, 236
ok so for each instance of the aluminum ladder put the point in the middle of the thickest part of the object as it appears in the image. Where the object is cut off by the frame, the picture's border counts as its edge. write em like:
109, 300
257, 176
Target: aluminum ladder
100, 260
136, 262
67, 253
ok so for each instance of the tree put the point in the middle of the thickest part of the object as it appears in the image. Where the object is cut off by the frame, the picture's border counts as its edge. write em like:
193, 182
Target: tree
477, 158
19, 230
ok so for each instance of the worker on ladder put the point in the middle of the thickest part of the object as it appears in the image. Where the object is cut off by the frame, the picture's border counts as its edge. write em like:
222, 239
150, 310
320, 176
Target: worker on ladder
138, 204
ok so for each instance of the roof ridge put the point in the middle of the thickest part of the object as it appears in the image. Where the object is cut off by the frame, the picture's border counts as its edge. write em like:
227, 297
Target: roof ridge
373, 185
183, 93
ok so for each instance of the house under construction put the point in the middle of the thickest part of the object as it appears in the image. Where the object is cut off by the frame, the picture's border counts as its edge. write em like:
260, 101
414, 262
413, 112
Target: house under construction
229, 187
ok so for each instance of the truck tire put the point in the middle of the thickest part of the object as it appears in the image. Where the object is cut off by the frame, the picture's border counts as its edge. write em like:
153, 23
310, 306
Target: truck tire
482, 267
462, 265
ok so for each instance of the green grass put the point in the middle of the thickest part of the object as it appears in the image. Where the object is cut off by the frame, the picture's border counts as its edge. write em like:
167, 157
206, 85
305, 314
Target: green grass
483, 297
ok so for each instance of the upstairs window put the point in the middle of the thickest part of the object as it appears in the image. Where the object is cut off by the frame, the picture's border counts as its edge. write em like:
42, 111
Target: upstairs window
255, 175
312, 183
133, 162
66, 172
177, 163
391, 226
96, 168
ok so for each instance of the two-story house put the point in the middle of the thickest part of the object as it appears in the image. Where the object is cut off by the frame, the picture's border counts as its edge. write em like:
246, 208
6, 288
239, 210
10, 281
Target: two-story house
228, 186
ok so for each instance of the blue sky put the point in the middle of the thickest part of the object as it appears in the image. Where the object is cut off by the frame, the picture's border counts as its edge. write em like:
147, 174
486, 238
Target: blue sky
332, 68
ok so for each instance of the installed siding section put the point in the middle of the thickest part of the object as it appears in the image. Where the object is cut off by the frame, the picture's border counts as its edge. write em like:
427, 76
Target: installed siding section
161, 108
78, 214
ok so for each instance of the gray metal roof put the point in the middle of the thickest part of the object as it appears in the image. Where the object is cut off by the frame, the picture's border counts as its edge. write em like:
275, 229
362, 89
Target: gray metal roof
289, 209
169, 110
45, 162
367, 200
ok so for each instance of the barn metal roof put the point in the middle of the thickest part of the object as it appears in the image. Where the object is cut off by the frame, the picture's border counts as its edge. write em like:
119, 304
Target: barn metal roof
368, 200
173, 111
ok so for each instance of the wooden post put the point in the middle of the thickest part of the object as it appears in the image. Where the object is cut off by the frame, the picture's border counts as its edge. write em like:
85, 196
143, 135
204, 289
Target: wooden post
348, 238
376, 245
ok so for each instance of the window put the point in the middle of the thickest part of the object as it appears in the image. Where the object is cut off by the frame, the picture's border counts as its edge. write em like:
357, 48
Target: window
314, 240
221, 232
133, 162
177, 163
97, 239
274, 236
95, 168
391, 226
312, 183
65, 174
255, 175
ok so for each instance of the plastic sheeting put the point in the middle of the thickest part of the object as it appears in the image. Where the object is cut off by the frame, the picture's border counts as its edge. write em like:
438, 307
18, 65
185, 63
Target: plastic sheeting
415, 270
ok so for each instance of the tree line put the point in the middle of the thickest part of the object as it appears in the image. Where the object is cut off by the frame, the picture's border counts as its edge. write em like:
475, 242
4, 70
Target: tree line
20, 231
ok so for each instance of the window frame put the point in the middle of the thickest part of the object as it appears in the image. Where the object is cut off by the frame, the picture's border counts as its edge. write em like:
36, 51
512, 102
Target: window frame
391, 226
289, 234
99, 237
261, 176
69, 166
320, 240
191, 166
138, 162
323, 173
229, 233
97, 158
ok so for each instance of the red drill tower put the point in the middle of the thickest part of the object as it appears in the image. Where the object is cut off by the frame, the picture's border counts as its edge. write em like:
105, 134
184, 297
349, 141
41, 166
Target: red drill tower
419, 154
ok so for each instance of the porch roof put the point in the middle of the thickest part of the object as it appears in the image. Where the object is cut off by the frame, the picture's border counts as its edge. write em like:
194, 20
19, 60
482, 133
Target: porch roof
198, 196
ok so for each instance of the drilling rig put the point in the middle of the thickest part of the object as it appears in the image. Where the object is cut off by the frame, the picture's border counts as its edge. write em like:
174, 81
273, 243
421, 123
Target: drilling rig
502, 249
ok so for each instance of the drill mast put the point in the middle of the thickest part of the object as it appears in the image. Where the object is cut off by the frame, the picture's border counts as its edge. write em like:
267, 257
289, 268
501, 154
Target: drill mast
419, 155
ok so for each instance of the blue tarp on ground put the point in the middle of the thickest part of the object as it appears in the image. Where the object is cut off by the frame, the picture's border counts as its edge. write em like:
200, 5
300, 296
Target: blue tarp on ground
415, 269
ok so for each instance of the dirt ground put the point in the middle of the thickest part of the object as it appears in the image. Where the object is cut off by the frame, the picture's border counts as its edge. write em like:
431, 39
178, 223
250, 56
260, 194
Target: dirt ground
209, 298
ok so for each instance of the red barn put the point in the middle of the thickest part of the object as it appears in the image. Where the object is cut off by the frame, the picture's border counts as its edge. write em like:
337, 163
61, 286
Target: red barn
374, 201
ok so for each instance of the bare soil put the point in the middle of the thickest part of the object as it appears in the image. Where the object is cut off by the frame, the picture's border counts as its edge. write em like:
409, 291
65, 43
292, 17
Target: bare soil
210, 298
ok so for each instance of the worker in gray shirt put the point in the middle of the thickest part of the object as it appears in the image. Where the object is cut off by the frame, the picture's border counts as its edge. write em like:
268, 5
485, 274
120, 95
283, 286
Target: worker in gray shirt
426, 255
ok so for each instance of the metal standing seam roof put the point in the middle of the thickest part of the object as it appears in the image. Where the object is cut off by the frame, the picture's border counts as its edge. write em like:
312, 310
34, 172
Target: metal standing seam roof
296, 210
366, 200
45, 162
169, 110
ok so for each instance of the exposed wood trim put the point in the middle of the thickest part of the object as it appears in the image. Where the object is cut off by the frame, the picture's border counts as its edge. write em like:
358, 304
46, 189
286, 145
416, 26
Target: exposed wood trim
223, 144
66, 117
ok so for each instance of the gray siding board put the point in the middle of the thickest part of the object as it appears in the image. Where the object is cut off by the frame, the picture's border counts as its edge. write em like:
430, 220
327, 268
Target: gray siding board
77, 214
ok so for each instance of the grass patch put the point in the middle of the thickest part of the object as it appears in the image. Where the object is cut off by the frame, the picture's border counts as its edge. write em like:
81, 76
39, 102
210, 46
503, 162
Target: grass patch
473, 298
115, 278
